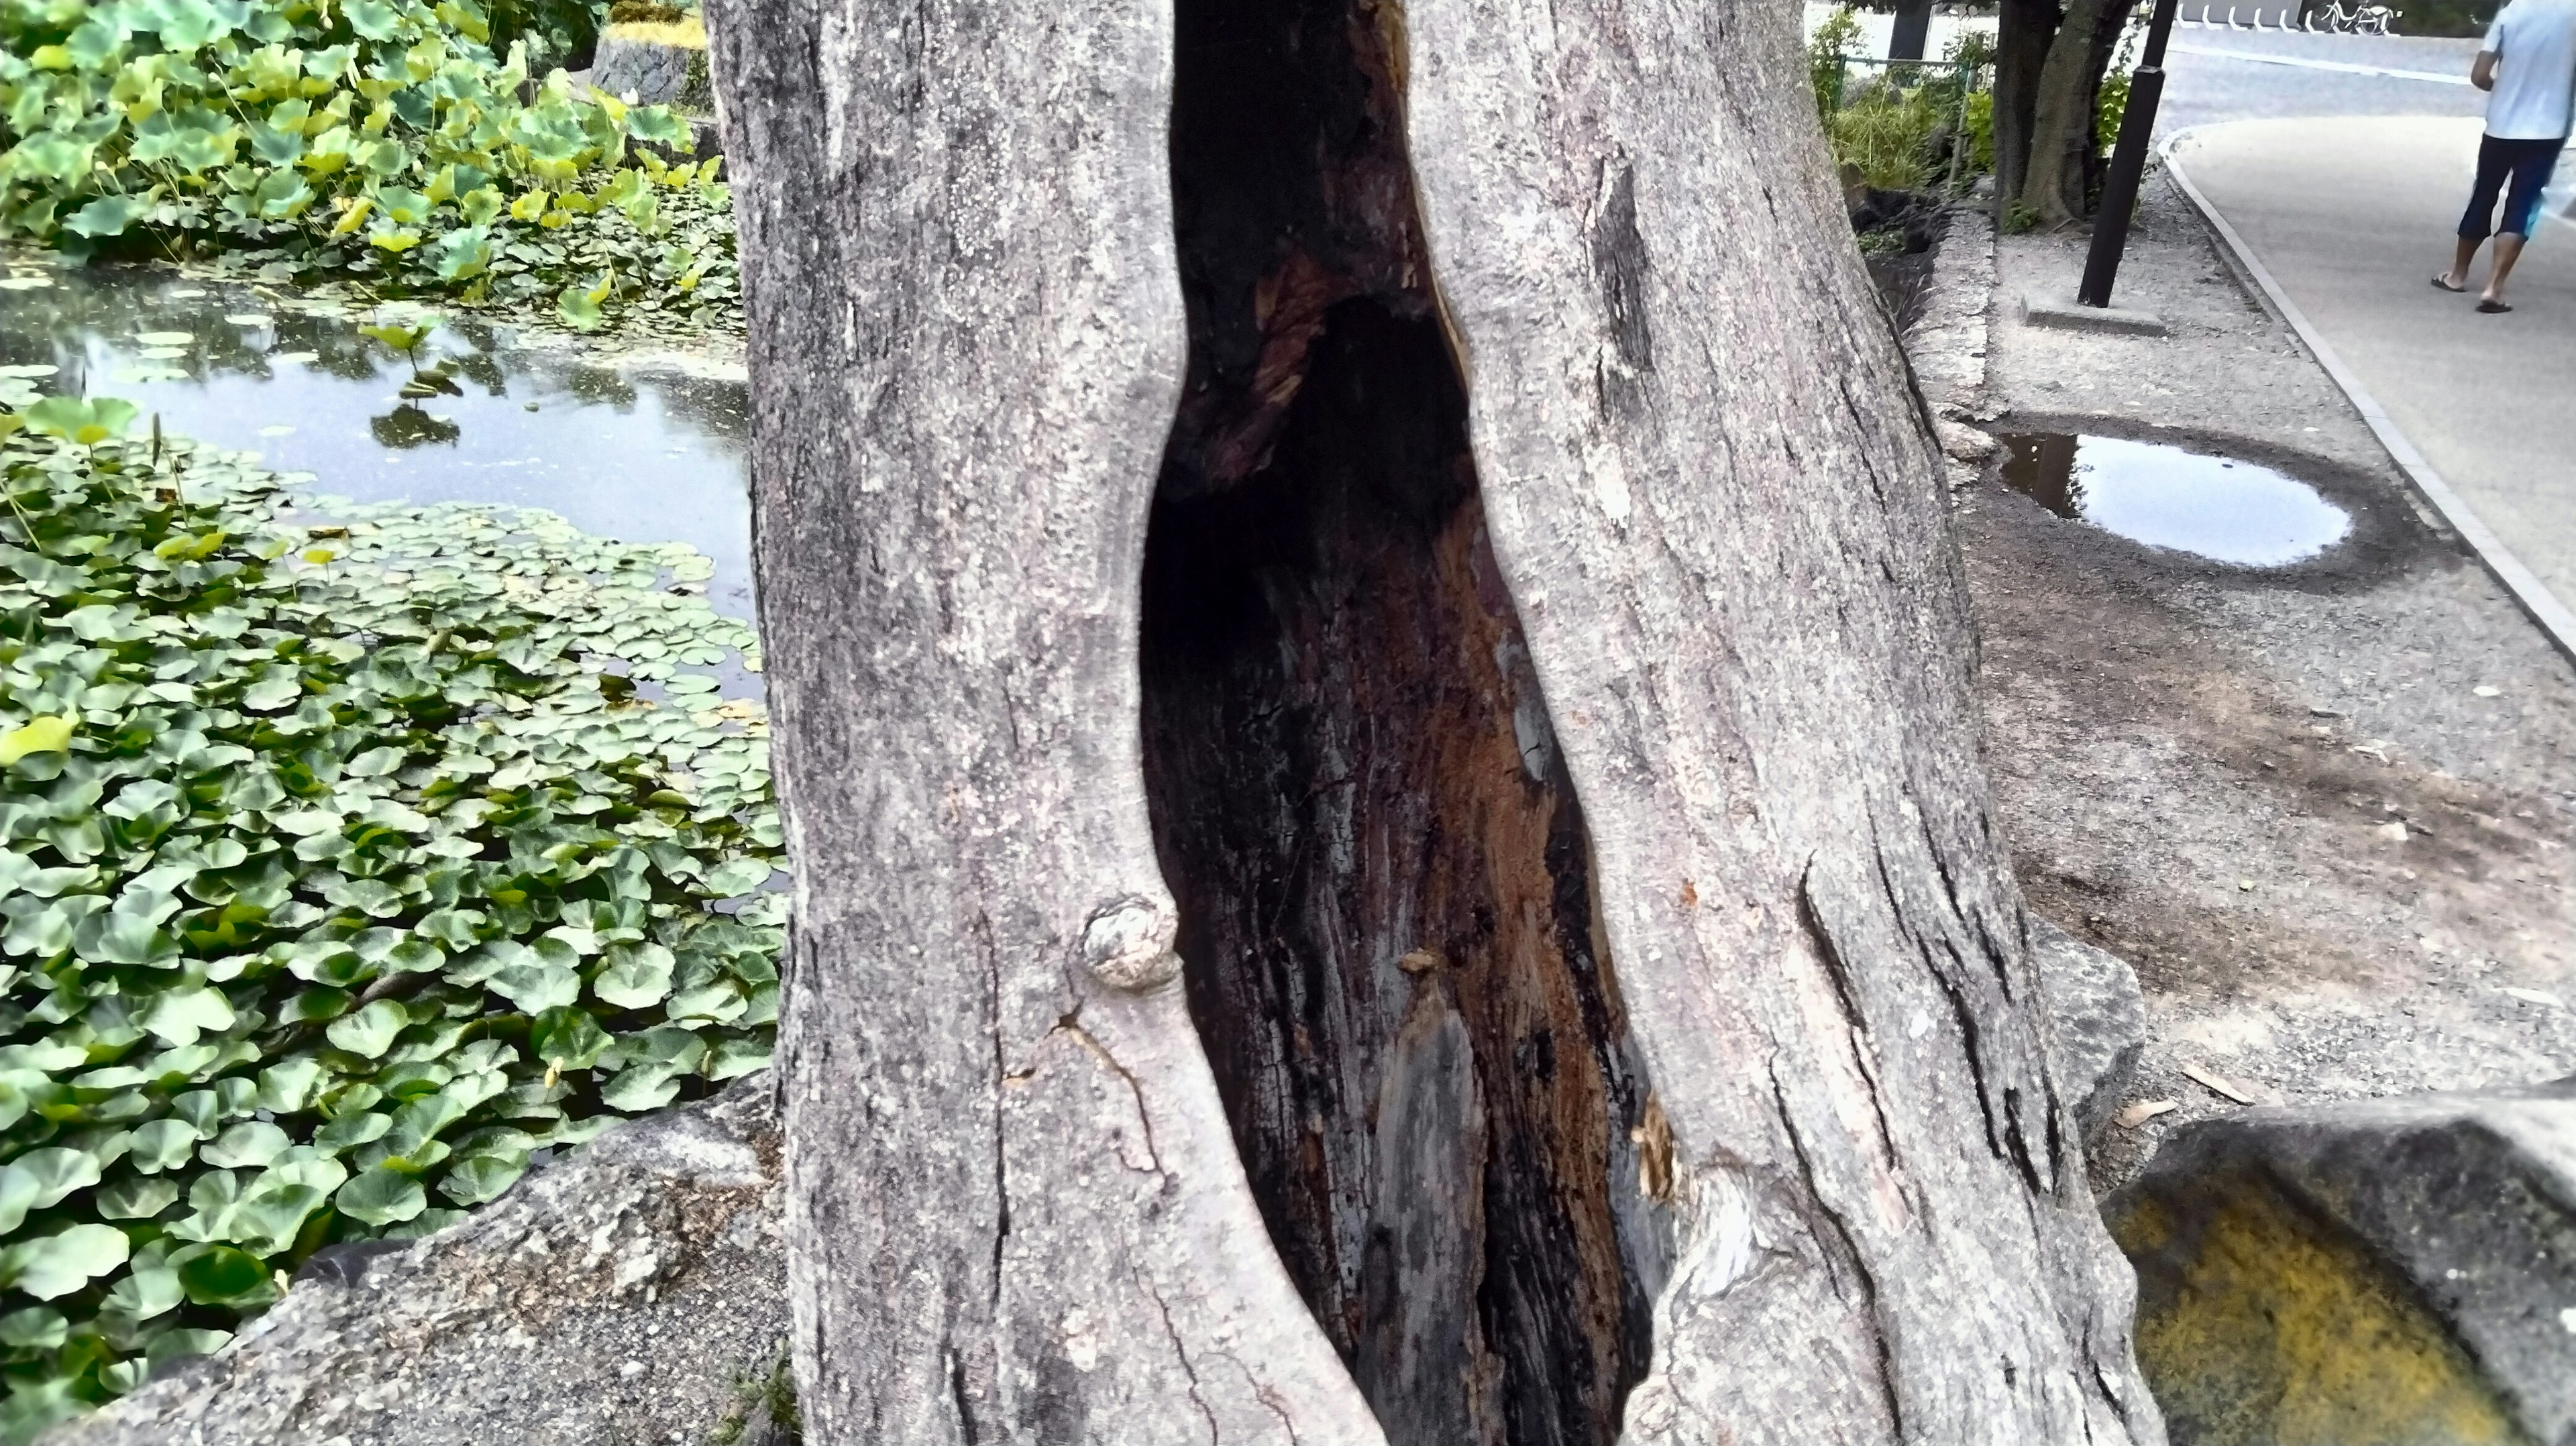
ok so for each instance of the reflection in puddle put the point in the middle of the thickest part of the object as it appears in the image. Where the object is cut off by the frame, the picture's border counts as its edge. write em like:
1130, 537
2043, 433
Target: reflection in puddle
2218, 507
656, 456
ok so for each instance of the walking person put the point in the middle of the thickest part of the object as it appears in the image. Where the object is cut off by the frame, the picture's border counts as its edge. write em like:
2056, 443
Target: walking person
2527, 64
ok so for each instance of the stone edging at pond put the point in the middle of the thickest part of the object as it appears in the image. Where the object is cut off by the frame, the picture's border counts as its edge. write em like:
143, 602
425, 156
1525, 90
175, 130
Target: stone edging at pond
627, 1293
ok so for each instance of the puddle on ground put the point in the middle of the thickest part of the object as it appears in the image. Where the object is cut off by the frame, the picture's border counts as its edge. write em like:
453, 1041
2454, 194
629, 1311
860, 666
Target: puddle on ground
2220, 508
638, 455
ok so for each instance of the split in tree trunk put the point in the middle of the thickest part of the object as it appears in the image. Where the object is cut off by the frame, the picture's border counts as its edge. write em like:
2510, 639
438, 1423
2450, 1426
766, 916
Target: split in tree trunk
1553, 679
1381, 867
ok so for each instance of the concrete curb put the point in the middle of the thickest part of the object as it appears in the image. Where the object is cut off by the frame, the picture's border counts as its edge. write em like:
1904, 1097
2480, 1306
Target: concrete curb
2542, 606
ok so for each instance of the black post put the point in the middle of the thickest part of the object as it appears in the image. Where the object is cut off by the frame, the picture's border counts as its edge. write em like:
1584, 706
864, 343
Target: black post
2128, 164
1912, 26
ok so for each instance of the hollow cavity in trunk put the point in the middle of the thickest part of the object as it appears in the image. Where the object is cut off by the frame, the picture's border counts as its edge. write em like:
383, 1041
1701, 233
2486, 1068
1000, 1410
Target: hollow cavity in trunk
1384, 879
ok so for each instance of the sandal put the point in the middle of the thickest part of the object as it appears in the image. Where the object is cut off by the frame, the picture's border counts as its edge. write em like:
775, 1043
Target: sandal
2445, 284
2492, 307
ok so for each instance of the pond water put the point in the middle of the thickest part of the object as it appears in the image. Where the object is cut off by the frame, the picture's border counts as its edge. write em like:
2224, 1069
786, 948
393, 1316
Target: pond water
2222, 508
642, 453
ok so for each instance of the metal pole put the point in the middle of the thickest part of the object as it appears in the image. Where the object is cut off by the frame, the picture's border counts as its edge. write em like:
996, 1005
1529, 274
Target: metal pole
2128, 164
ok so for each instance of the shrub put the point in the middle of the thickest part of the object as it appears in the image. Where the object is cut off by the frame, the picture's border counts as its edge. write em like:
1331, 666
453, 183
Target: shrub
1885, 135
1825, 51
380, 138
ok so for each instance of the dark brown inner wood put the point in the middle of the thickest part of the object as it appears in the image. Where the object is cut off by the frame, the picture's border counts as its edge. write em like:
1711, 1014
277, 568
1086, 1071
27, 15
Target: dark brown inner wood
1384, 878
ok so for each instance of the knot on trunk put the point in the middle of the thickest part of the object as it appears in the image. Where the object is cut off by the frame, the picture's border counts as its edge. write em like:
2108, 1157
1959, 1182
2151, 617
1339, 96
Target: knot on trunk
1128, 943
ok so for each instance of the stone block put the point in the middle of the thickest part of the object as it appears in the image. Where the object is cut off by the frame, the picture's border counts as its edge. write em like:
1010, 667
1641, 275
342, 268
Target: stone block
2101, 1020
655, 64
2395, 1272
2065, 314
624, 1294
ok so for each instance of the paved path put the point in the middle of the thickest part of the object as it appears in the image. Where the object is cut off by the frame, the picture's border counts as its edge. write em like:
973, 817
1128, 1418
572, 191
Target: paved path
2220, 74
2351, 216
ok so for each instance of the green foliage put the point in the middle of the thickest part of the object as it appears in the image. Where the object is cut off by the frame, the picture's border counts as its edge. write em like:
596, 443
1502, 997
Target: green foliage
1825, 51
376, 139
1885, 135
1980, 123
343, 868
2110, 107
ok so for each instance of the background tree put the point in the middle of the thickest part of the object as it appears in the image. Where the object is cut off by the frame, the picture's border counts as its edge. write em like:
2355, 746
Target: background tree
2049, 67
1414, 511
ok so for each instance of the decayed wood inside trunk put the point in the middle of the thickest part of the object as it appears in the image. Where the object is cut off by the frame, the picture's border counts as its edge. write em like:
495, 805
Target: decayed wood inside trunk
1384, 880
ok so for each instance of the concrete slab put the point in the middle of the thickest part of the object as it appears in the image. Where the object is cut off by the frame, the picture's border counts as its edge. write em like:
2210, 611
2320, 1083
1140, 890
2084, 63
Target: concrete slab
2067, 314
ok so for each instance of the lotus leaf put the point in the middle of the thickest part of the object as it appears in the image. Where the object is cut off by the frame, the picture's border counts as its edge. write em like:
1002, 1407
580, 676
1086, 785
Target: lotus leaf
381, 1197
370, 1031
530, 836
50, 1266
219, 1274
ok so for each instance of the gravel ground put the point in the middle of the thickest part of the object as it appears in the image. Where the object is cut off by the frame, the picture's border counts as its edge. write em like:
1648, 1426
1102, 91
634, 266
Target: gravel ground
2325, 810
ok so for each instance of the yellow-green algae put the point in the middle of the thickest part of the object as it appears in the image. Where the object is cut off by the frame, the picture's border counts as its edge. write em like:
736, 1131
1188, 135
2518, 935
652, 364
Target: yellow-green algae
2261, 1325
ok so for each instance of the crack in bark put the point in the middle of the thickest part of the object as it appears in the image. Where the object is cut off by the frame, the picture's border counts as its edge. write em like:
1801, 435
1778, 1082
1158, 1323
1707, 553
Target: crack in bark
1180, 1353
1071, 1025
1879, 1327
1838, 971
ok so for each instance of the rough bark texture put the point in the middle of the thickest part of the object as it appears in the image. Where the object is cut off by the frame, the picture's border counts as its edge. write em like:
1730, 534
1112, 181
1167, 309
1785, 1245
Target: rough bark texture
1554, 726
1015, 1209
1715, 501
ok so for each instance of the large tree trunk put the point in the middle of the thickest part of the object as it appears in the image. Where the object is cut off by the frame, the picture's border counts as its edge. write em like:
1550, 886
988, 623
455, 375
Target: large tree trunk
1607, 1007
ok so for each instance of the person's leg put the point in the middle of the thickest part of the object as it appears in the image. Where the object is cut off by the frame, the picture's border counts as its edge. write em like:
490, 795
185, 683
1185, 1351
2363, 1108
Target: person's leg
2462, 253
2532, 163
2508, 250
2495, 162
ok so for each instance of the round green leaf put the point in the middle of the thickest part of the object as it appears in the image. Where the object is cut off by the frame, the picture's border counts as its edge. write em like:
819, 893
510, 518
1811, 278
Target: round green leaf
479, 1178
246, 1146
370, 1031
634, 976
381, 1197
55, 1265
163, 1144
219, 1275
137, 1197
567, 1038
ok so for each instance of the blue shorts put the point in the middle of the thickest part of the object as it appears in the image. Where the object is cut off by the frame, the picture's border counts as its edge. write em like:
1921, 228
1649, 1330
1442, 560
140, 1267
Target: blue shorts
2529, 164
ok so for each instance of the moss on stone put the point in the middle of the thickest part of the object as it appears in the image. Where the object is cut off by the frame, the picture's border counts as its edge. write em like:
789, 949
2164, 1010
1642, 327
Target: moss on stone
2260, 1324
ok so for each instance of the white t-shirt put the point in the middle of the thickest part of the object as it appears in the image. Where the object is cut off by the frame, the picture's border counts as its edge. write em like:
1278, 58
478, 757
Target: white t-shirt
2534, 42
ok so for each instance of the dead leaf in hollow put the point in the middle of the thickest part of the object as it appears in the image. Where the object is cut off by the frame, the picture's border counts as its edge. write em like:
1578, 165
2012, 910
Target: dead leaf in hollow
2219, 1084
2143, 1111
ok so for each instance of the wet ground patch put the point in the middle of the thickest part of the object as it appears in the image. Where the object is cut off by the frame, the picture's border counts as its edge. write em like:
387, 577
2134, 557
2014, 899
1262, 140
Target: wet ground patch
2231, 508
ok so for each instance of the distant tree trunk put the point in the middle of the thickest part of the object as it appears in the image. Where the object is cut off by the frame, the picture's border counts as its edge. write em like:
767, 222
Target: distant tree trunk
1913, 26
2062, 139
1496, 565
2024, 29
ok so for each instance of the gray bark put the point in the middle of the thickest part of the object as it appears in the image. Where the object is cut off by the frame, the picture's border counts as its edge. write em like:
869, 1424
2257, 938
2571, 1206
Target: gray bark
1017, 1211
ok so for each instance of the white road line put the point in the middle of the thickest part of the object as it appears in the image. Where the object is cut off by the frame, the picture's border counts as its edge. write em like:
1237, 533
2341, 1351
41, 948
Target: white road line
2542, 606
2304, 63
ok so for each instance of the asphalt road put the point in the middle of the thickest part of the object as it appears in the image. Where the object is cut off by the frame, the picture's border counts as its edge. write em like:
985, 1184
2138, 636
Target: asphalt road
2216, 74
2351, 210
